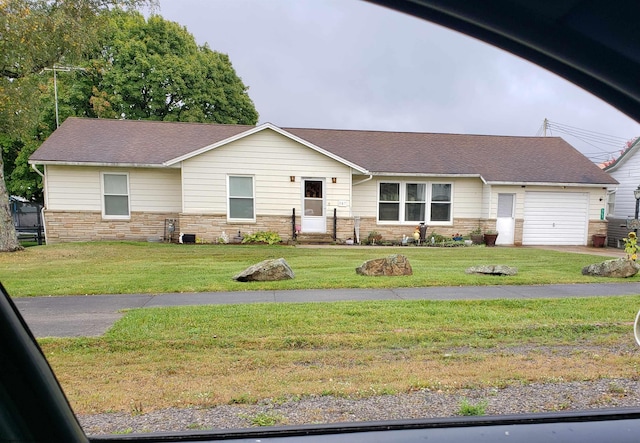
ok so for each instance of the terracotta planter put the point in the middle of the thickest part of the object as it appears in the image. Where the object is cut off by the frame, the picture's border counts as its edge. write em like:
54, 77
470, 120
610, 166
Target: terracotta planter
599, 240
490, 239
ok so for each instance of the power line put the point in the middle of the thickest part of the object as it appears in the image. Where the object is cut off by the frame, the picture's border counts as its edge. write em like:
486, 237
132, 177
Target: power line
607, 146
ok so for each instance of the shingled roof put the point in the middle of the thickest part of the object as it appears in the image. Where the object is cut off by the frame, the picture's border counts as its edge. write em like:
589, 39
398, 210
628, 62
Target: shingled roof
496, 159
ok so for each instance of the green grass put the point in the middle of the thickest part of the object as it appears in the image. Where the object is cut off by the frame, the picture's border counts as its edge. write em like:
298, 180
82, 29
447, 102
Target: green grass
125, 267
242, 354
471, 409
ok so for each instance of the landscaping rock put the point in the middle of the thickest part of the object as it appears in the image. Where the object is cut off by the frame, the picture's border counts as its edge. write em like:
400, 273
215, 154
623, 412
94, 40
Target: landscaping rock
492, 270
620, 267
267, 270
393, 265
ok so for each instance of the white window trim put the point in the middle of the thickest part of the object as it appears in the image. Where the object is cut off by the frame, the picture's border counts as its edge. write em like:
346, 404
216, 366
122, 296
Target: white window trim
430, 202
253, 198
403, 189
103, 195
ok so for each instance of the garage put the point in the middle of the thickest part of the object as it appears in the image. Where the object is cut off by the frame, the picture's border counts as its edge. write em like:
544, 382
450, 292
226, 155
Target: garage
555, 218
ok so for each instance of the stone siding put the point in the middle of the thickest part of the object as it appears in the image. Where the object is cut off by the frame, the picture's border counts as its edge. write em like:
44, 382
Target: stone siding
76, 226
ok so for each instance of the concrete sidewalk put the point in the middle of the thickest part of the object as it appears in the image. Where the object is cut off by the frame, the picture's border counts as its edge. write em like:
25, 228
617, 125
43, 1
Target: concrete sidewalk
75, 316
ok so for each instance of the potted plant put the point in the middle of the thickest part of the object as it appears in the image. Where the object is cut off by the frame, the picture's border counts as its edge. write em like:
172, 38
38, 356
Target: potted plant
490, 237
476, 236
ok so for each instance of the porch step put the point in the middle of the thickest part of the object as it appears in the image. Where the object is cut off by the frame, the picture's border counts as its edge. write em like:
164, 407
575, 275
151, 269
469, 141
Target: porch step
314, 239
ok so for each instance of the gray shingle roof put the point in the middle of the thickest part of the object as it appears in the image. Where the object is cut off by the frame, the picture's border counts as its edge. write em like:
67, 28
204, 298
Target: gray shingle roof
495, 158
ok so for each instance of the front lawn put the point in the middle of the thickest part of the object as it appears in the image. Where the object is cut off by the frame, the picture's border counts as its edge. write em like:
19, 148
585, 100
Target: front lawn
126, 267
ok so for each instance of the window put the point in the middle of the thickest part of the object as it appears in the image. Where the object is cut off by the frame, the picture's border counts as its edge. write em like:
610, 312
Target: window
115, 195
241, 201
611, 202
407, 202
415, 202
440, 202
389, 207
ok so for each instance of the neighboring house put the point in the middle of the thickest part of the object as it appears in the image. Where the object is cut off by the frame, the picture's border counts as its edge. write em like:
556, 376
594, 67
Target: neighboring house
129, 180
621, 202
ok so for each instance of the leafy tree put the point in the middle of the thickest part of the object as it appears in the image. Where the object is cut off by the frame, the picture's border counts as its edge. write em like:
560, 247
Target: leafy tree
141, 69
37, 34
154, 70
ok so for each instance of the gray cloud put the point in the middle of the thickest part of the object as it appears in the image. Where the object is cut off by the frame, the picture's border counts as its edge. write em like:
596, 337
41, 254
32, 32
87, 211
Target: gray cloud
352, 65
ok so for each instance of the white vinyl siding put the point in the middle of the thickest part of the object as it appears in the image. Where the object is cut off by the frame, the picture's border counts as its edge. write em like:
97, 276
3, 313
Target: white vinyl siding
272, 159
115, 195
241, 205
71, 188
555, 218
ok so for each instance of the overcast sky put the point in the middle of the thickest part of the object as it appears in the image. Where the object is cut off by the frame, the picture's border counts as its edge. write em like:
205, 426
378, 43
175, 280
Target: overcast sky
347, 64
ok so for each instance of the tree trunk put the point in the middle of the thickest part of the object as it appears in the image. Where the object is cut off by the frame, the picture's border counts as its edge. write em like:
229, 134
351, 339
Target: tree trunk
8, 237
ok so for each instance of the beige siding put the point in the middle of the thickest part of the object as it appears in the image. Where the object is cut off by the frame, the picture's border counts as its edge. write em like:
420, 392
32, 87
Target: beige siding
272, 159
79, 189
73, 188
155, 190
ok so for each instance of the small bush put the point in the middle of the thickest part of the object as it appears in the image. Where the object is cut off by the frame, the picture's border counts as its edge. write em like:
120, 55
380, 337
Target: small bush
268, 237
470, 409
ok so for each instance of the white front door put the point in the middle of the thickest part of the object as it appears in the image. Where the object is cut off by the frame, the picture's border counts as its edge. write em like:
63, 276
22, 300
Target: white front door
506, 221
313, 206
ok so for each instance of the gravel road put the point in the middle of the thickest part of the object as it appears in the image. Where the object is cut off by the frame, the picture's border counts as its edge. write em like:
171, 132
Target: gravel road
561, 396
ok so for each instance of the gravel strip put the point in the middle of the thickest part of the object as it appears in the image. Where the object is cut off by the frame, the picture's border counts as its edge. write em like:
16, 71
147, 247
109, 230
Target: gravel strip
548, 397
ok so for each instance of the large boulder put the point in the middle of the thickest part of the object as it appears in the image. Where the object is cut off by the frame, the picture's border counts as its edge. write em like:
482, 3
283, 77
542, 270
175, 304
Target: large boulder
393, 265
620, 267
267, 270
492, 270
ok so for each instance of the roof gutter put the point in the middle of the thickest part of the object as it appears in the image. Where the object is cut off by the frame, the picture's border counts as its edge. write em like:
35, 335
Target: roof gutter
97, 164
547, 184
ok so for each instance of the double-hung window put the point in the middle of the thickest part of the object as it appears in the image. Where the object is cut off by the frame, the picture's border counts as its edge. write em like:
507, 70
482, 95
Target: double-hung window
440, 202
415, 202
389, 206
409, 202
115, 191
241, 198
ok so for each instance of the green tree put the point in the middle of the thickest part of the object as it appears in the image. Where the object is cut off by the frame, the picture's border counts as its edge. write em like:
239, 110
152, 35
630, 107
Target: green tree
141, 69
154, 70
37, 34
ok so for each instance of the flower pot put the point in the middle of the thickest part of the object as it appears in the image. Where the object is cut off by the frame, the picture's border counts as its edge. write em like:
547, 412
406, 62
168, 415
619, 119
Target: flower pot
599, 240
490, 239
477, 239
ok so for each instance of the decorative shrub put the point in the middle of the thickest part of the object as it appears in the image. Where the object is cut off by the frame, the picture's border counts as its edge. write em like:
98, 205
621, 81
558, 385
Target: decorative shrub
268, 237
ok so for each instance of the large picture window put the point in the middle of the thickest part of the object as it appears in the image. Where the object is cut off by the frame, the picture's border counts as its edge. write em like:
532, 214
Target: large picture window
115, 195
405, 202
241, 201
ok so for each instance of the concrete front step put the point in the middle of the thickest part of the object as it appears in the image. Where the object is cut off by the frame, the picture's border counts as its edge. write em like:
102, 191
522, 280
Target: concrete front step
314, 239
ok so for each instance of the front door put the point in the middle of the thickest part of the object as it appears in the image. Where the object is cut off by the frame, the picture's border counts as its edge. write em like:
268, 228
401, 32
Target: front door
313, 206
506, 221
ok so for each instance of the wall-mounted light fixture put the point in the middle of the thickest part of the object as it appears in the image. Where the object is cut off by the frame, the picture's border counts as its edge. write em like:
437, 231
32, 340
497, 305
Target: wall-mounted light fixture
292, 178
334, 179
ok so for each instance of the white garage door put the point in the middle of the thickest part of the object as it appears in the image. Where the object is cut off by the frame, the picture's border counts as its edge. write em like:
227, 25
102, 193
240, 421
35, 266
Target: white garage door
555, 218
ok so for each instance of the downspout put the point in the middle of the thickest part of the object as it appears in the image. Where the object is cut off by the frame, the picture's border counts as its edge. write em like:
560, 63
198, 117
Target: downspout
365, 180
44, 225
356, 231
